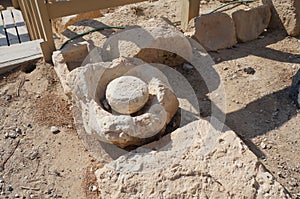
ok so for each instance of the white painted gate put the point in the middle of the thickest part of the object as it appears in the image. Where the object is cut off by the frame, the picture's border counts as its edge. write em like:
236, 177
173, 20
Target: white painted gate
15, 44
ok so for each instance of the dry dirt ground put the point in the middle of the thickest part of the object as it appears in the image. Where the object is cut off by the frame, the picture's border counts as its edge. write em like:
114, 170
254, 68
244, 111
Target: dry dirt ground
36, 163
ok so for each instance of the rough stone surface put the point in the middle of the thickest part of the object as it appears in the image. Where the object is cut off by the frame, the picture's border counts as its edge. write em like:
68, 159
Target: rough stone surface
196, 161
295, 89
215, 31
286, 14
127, 94
66, 60
249, 24
90, 101
61, 24
154, 42
89, 83
54, 129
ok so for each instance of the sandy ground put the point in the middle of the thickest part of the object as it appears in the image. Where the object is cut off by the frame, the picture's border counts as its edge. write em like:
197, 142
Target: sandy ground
36, 163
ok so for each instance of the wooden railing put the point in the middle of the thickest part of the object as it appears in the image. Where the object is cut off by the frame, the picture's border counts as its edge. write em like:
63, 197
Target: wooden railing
39, 13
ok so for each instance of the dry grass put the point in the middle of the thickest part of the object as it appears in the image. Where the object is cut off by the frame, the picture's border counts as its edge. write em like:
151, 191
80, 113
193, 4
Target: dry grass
52, 110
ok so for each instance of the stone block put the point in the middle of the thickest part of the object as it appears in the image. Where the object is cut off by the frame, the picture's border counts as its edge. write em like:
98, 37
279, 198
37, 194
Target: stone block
249, 24
67, 59
215, 31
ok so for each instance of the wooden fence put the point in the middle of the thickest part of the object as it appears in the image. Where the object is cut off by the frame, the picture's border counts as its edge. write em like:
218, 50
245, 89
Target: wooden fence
39, 13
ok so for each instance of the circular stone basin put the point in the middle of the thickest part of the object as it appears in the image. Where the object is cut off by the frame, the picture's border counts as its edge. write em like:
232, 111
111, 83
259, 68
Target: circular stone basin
127, 94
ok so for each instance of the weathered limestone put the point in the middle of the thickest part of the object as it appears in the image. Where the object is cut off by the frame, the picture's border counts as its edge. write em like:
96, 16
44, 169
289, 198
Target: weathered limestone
61, 24
285, 13
249, 24
91, 108
89, 84
161, 43
215, 31
68, 59
127, 94
196, 161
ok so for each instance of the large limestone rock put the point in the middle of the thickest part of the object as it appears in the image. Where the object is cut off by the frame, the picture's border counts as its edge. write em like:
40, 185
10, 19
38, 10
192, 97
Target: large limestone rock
285, 13
87, 100
215, 31
196, 161
156, 41
89, 84
249, 24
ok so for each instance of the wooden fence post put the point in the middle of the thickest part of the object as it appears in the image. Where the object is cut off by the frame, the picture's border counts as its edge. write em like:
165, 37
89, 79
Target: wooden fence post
48, 46
38, 15
190, 9
15, 4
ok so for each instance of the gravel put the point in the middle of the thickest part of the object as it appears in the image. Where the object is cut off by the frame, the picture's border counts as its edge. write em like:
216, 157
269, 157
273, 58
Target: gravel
54, 129
249, 70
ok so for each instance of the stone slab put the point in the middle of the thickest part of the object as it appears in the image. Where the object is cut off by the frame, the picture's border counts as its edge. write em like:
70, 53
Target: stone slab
215, 31
249, 24
195, 161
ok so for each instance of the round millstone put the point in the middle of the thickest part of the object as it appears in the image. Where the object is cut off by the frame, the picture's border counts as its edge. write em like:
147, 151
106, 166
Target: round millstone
127, 94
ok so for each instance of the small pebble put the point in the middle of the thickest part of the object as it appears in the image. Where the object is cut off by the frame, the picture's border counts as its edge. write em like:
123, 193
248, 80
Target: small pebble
263, 145
275, 113
57, 173
12, 135
33, 155
17, 196
48, 192
18, 130
10, 188
187, 66
8, 97
106, 105
249, 70
54, 129
280, 175
57, 196
92, 188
